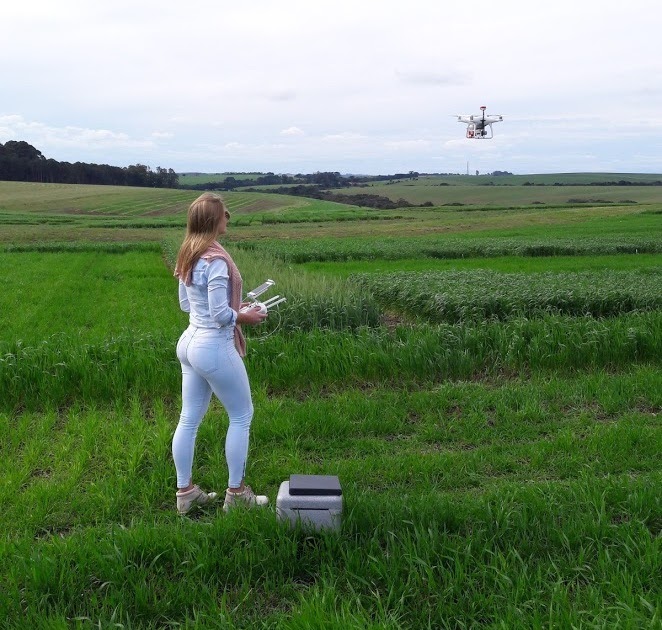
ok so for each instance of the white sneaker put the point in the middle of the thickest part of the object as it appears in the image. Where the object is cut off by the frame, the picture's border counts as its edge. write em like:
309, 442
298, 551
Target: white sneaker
247, 498
192, 498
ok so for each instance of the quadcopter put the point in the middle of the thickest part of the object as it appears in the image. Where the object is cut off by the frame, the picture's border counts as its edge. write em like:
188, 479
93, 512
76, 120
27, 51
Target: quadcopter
479, 126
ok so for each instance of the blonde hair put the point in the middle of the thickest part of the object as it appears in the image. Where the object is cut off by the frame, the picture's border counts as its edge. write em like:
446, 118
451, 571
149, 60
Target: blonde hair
202, 225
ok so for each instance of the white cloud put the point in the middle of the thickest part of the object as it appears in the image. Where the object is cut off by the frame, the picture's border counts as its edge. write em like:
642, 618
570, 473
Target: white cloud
16, 127
292, 131
344, 136
146, 82
407, 145
422, 77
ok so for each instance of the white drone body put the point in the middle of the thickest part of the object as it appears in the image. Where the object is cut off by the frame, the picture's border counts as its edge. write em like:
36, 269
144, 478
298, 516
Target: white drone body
263, 306
479, 126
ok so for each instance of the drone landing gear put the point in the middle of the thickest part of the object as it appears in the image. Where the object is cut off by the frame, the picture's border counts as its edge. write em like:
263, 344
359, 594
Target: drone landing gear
479, 134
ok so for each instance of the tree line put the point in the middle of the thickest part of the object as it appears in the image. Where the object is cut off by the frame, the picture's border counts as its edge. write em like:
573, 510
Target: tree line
21, 162
325, 179
365, 200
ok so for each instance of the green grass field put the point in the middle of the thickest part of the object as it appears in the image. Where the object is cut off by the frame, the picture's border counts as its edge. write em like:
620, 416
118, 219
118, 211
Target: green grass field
492, 192
486, 191
205, 178
486, 385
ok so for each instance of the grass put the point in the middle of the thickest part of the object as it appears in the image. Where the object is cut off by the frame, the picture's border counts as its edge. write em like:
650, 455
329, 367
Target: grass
68, 202
479, 294
505, 264
520, 498
486, 191
204, 178
61, 370
496, 473
35, 198
85, 295
547, 179
390, 248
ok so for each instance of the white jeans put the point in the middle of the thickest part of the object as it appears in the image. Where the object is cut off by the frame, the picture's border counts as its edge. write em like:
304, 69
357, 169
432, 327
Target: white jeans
211, 364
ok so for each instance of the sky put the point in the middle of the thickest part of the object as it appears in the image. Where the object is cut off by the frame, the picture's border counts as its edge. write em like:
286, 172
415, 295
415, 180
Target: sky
354, 86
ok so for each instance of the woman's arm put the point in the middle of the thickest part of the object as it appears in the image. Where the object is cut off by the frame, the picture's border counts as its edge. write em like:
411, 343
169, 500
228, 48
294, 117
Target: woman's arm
219, 309
183, 298
217, 292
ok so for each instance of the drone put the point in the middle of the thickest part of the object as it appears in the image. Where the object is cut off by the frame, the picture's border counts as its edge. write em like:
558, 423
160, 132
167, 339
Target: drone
479, 126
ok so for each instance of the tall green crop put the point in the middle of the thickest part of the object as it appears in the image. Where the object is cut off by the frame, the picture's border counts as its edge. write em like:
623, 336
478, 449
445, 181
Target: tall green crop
454, 296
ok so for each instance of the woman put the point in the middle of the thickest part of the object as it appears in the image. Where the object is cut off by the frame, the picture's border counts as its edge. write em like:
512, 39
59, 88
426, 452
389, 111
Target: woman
210, 351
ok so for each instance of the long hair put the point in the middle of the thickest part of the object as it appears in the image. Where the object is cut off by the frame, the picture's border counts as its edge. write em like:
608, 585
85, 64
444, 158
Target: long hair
202, 224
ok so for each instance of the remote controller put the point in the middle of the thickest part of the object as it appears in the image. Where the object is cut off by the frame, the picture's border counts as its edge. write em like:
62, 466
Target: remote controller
267, 304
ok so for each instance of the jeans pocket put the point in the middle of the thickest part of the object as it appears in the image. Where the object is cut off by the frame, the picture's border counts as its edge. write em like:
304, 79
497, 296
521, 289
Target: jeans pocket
204, 357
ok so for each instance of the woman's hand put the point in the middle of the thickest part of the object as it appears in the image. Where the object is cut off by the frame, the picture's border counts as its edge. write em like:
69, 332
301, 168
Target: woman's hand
252, 316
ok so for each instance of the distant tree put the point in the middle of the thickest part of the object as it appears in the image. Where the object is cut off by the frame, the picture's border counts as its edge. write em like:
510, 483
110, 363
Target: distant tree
269, 180
22, 150
328, 179
20, 161
138, 175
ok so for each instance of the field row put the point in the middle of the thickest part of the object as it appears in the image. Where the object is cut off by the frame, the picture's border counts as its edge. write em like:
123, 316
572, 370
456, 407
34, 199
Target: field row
103, 323
470, 420
482, 504
455, 296
485, 192
498, 472
96, 292
437, 246
63, 371
20, 200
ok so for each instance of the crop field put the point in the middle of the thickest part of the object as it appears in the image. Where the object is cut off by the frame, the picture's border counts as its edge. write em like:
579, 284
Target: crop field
487, 191
58, 213
458, 296
491, 194
205, 178
485, 381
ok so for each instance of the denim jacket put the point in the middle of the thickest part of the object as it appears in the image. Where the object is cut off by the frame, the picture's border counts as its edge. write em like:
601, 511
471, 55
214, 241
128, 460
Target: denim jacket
207, 298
